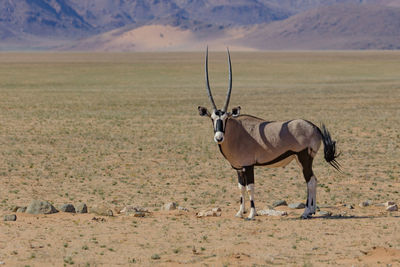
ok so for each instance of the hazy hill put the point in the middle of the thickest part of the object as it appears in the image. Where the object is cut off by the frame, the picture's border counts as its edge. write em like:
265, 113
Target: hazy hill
190, 24
344, 26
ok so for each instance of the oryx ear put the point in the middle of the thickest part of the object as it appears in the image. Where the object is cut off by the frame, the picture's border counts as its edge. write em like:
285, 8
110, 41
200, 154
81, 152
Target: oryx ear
203, 111
236, 111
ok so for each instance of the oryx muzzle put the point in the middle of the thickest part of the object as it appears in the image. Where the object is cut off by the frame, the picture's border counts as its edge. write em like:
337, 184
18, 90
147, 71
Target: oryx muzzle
247, 141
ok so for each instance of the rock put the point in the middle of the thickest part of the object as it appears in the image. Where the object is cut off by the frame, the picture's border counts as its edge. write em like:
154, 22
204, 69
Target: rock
135, 211
14, 208
279, 203
67, 208
365, 203
325, 213
389, 203
10, 218
297, 205
170, 206
349, 206
138, 214
101, 209
183, 209
21, 209
40, 207
392, 208
81, 208
216, 212
131, 209
270, 212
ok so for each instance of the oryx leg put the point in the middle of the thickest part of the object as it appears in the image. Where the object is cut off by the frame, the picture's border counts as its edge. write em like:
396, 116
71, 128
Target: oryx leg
242, 188
305, 159
246, 181
249, 174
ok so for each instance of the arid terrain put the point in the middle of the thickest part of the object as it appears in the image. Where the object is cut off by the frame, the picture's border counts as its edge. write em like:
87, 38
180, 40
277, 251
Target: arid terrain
122, 129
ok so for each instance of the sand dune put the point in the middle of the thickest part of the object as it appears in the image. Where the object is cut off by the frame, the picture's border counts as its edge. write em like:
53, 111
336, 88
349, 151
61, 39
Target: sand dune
161, 38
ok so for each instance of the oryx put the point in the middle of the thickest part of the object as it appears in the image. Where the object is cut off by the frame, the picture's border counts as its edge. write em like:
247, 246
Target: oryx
247, 141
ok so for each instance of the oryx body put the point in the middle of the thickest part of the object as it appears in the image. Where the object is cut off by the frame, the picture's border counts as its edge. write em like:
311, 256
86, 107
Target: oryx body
247, 141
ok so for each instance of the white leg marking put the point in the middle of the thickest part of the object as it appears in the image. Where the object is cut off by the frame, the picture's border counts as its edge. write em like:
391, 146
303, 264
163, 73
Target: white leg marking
311, 198
242, 195
250, 191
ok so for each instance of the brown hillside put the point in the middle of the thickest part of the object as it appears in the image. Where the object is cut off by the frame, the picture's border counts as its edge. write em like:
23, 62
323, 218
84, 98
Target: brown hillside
344, 26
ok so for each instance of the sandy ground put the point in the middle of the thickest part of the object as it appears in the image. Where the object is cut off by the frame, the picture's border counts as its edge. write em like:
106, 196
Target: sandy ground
123, 129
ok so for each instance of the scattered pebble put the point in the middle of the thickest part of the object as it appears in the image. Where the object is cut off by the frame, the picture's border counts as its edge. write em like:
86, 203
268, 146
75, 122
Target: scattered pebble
392, 208
81, 208
102, 210
21, 209
325, 213
279, 203
170, 206
67, 208
349, 206
365, 203
135, 211
10, 218
215, 212
98, 219
40, 207
183, 209
389, 203
297, 205
132, 209
14, 208
270, 212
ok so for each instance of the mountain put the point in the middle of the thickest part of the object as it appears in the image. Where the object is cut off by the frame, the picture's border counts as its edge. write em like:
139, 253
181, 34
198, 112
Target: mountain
343, 26
133, 25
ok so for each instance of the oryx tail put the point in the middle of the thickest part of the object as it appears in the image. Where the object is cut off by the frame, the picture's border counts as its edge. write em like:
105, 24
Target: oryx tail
330, 153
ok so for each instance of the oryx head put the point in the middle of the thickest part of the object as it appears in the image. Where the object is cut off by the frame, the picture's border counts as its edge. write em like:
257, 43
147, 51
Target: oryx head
219, 116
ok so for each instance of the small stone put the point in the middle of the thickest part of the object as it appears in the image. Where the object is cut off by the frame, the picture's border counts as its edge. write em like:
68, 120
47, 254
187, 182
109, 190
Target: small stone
365, 204
138, 214
183, 209
297, 205
279, 203
170, 206
392, 208
10, 218
40, 207
133, 209
209, 213
270, 212
14, 208
102, 210
389, 203
67, 208
349, 206
81, 208
325, 213
21, 209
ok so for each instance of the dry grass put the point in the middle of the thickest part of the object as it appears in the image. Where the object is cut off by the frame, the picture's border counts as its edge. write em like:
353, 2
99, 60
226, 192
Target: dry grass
124, 129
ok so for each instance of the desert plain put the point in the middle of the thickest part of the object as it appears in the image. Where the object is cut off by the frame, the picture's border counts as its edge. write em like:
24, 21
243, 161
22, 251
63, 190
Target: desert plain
122, 129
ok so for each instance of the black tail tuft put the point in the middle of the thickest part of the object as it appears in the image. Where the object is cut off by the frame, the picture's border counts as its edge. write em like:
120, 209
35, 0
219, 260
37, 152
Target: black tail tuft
330, 149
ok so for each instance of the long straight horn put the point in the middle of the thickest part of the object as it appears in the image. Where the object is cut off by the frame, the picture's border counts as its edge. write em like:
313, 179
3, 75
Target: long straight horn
208, 84
228, 95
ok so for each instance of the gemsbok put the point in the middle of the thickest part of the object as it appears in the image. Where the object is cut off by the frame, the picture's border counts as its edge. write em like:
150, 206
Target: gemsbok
247, 141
